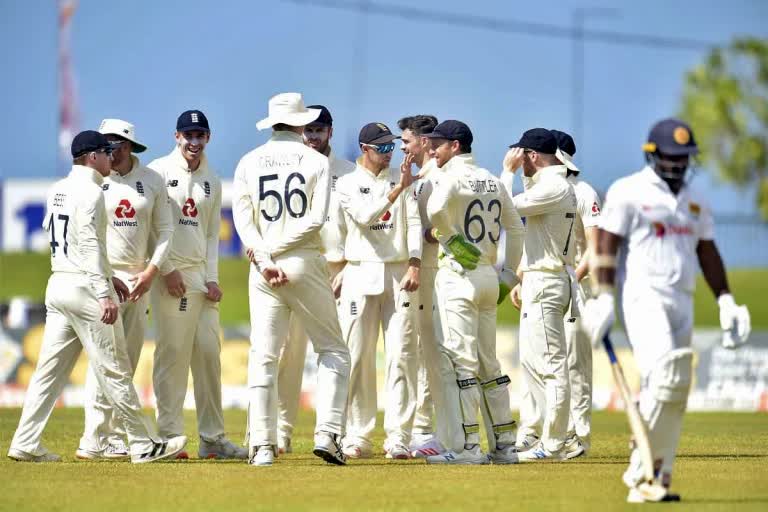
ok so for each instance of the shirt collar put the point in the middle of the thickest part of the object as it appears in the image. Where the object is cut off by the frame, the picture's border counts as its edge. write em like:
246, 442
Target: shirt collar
430, 166
181, 162
463, 160
285, 135
552, 170
83, 172
383, 175
649, 174
134, 165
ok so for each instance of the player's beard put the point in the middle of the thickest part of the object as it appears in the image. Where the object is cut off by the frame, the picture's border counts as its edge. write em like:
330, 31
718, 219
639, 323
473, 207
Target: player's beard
320, 146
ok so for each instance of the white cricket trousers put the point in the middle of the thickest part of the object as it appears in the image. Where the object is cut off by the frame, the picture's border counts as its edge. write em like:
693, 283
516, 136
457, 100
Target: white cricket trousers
101, 426
546, 298
466, 333
187, 337
72, 323
394, 311
291, 369
307, 296
657, 323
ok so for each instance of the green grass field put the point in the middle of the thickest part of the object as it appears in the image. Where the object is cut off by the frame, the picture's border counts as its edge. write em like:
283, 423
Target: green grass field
27, 274
723, 465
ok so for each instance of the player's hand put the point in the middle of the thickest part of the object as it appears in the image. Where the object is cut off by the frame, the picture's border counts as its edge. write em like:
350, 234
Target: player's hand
175, 284
336, 283
429, 236
214, 292
109, 310
410, 281
121, 289
274, 276
598, 317
142, 282
465, 253
516, 300
735, 322
406, 178
513, 159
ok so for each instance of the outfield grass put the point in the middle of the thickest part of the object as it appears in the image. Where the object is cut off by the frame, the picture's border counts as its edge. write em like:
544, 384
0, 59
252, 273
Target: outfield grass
723, 465
27, 274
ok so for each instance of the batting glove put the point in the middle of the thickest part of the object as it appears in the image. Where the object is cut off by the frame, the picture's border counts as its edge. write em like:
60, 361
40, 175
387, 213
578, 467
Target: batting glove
598, 317
735, 322
465, 253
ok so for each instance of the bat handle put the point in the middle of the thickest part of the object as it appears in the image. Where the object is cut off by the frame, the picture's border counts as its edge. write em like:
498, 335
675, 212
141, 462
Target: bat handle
609, 348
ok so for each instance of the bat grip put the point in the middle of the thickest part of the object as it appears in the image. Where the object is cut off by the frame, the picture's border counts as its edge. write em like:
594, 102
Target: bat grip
609, 348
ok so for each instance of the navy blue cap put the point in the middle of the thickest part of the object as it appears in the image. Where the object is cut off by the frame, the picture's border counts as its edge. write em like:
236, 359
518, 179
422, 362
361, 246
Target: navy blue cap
192, 120
324, 117
671, 137
87, 141
564, 142
538, 139
376, 133
452, 130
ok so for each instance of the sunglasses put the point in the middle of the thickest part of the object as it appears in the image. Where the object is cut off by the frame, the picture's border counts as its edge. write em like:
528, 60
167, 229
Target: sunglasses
382, 148
108, 151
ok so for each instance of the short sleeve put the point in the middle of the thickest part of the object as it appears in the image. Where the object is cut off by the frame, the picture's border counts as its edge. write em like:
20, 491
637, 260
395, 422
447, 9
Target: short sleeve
618, 212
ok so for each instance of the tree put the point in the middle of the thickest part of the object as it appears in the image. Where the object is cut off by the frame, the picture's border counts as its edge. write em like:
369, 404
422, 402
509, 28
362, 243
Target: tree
726, 102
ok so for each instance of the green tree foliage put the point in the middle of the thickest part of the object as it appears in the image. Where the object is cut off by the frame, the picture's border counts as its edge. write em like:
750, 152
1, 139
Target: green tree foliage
726, 102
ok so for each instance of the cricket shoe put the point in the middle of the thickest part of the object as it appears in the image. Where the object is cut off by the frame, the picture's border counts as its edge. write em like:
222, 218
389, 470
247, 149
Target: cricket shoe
262, 456
327, 447
284, 445
468, 456
221, 448
354, 451
528, 442
396, 450
431, 447
505, 455
114, 451
166, 450
43, 455
540, 454
650, 493
573, 447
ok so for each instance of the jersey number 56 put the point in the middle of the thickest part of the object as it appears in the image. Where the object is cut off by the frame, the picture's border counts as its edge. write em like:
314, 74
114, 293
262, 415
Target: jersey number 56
296, 207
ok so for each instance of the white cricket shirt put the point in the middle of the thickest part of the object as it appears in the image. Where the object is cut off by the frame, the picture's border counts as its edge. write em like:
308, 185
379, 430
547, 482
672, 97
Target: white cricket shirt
661, 231
422, 189
469, 200
587, 214
195, 200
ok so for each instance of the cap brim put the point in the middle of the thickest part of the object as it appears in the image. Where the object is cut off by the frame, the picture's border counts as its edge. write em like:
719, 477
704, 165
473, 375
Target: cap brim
291, 119
194, 128
517, 145
678, 150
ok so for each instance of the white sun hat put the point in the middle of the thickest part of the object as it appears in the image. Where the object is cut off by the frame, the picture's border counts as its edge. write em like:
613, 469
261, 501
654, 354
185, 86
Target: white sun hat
288, 108
567, 160
122, 129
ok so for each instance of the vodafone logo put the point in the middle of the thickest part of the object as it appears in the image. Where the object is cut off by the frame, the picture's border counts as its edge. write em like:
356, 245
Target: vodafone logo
125, 210
189, 209
386, 216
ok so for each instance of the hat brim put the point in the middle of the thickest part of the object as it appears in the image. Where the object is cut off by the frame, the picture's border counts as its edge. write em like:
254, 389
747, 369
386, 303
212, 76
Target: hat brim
194, 128
517, 145
291, 119
567, 160
677, 150
136, 147
384, 139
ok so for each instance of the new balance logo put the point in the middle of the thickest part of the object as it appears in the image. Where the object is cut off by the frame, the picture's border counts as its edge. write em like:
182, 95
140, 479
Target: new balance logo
105, 186
125, 210
183, 304
365, 190
406, 304
140, 187
173, 183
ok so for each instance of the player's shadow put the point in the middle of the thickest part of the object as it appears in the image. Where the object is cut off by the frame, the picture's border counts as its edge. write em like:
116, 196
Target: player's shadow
735, 501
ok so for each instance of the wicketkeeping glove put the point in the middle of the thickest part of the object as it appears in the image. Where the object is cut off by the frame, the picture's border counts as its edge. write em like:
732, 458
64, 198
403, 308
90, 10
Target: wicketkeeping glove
598, 317
735, 322
465, 253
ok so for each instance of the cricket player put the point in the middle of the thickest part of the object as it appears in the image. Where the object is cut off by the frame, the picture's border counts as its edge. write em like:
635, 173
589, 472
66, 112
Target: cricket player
383, 251
468, 209
185, 303
548, 292
418, 151
282, 191
82, 312
317, 135
652, 230
137, 206
577, 340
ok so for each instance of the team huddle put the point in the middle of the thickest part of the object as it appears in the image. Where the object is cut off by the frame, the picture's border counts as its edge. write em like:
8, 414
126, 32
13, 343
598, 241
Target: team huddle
339, 251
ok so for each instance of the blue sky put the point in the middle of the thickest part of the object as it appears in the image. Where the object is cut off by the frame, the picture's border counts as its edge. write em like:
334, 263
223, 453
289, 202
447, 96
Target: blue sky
147, 61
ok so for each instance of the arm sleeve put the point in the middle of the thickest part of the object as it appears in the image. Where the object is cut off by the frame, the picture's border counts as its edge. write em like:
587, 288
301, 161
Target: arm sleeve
618, 213
91, 214
311, 223
706, 223
540, 199
438, 204
514, 231
162, 227
212, 249
244, 215
414, 235
361, 208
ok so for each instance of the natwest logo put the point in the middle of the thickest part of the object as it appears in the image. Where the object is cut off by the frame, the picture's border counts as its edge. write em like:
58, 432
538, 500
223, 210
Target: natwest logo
125, 210
189, 209
386, 216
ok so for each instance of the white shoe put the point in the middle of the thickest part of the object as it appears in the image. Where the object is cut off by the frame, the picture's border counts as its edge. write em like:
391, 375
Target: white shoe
354, 451
327, 447
650, 493
221, 448
114, 451
573, 447
540, 454
432, 447
165, 450
284, 445
467, 456
506, 455
264, 456
22, 456
528, 442
396, 450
